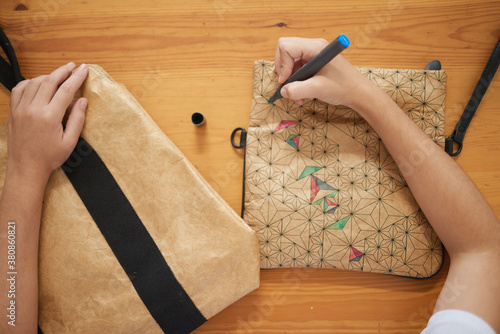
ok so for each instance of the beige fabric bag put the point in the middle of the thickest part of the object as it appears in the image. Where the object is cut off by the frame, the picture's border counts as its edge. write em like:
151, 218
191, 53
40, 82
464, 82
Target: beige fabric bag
322, 191
209, 249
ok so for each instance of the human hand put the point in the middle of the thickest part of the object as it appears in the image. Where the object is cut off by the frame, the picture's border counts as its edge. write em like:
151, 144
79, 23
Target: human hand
338, 83
37, 141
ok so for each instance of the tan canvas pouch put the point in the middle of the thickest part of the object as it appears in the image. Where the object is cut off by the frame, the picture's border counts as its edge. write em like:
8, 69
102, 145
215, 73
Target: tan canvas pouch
144, 244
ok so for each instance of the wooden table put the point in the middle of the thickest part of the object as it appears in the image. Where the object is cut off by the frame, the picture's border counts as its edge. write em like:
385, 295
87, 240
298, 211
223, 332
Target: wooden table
179, 57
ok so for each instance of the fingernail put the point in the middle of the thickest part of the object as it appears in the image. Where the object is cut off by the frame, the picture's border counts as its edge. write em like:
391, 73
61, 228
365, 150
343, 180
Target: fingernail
83, 103
284, 93
82, 67
71, 64
279, 78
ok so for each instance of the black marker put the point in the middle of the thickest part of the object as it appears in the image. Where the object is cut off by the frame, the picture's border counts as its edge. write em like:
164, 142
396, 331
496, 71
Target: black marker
316, 64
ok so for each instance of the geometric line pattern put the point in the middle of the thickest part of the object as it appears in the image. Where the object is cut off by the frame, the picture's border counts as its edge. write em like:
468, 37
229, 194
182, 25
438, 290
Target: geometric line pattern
322, 191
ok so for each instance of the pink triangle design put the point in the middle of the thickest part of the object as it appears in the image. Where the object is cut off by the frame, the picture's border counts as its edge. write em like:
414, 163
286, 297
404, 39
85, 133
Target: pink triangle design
330, 202
284, 124
354, 254
314, 188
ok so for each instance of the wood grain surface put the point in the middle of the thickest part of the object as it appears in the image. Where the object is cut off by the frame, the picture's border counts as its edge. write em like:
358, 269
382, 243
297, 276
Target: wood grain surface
179, 57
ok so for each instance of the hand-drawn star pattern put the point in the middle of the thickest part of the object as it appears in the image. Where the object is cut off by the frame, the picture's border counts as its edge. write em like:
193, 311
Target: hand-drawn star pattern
322, 191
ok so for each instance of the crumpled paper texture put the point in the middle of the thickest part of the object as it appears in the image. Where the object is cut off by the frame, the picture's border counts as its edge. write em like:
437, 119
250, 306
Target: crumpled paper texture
322, 191
211, 251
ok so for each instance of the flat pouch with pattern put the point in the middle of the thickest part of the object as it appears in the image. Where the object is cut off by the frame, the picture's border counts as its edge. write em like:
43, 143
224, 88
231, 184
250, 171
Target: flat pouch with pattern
320, 188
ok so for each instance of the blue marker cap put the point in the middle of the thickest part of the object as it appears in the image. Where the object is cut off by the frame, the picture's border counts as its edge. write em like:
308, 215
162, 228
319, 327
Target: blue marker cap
344, 40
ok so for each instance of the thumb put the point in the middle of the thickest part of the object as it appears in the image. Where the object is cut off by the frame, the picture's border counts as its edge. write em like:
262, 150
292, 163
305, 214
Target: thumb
299, 90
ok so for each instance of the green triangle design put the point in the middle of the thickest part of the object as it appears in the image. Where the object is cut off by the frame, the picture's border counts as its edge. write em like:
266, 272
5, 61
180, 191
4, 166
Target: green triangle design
308, 171
338, 225
291, 143
318, 201
331, 195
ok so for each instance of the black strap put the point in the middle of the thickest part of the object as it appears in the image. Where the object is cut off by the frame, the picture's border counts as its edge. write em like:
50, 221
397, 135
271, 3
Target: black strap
10, 75
131, 243
484, 81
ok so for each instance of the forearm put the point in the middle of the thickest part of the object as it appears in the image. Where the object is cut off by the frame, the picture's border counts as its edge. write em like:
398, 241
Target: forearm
20, 212
460, 215
452, 203
37, 144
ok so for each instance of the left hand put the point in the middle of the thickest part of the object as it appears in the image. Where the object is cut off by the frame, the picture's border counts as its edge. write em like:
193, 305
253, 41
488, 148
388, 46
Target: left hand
37, 141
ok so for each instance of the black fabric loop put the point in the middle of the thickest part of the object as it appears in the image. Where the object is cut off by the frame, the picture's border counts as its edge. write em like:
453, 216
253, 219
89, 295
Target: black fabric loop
434, 65
243, 137
448, 146
6, 75
10, 74
489, 71
131, 243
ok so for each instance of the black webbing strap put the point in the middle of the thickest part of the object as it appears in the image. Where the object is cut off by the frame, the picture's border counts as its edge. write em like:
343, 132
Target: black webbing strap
10, 75
131, 243
482, 85
123, 230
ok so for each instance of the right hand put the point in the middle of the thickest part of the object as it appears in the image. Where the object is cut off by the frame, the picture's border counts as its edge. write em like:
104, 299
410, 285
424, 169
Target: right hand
338, 83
